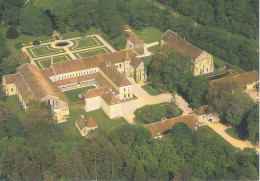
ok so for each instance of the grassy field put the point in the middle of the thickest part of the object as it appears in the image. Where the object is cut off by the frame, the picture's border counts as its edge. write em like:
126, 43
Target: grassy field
151, 89
147, 61
91, 53
72, 95
149, 34
235, 134
84, 43
105, 124
221, 63
46, 63
15, 105
153, 48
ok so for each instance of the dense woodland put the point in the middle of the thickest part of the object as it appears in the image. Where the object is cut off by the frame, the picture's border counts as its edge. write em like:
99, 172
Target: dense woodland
33, 147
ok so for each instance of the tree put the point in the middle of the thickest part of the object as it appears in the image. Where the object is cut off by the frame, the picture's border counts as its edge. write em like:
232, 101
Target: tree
34, 21
12, 33
239, 105
253, 124
8, 66
5, 112
181, 131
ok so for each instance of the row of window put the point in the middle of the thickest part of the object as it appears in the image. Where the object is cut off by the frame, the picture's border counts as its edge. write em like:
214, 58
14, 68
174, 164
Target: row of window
78, 74
75, 84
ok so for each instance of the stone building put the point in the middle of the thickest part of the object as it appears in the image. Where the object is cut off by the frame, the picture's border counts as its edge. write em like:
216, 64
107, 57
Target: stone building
29, 83
203, 61
103, 98
85, 126
134, 43
108, 71
203, 116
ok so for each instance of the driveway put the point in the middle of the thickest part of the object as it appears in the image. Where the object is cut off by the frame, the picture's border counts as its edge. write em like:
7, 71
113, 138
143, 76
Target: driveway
221, 130
143, 98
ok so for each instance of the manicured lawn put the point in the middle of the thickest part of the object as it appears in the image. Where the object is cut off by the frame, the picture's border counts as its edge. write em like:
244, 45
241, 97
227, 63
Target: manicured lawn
151, 89
91, 53
46, 63
105, 124
84, 43
39, 51
235, 134
149, 35
15, 105
72, 95
147, 61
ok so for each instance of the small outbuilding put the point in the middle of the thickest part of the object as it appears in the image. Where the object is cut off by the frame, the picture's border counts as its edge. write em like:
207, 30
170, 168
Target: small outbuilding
85, 126
203, 116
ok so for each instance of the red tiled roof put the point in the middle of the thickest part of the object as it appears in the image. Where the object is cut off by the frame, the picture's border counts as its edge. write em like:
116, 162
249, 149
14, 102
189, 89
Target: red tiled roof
91, 122
159, 128
10, 79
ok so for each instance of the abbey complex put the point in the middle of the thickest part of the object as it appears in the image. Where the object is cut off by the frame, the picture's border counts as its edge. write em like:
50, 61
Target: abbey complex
107, 72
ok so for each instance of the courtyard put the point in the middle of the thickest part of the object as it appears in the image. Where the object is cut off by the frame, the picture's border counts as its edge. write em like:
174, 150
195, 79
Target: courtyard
65, 50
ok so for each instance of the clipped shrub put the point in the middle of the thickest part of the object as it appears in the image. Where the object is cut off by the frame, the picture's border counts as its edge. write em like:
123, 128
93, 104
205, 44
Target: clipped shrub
36, 42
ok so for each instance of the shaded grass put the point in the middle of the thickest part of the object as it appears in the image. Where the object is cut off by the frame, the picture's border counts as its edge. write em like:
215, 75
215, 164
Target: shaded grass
151, 89
221, 63
149, 35
153, 48
233, 132
15, 105
83, 43
72, 95
147, 61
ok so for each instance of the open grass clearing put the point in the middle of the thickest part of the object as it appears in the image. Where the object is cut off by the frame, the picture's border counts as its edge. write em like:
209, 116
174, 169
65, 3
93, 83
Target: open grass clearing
151, 89
46, 63
105, 124
72, 95
90, 53
149, 35
153, 48
219, 63
15, 105
84, 43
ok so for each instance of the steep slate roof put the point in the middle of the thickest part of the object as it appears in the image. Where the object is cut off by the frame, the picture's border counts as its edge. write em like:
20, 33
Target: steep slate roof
10, 79
159, 128
245, 78
182, 45
81, 122
31, 83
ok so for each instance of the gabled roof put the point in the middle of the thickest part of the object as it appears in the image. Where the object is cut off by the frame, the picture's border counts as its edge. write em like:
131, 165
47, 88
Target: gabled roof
114, 75
31, 83
133, 38
245, 78
181, 44
159, 128
82, 122
10, 79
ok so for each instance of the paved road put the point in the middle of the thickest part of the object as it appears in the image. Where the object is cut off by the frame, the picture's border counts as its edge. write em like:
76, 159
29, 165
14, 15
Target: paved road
182, 104
143, 99
146, 52
105, 43
221, 130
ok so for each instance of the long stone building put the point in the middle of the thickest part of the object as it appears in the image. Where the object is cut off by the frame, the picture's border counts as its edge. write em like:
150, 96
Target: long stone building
203, 61
108, 71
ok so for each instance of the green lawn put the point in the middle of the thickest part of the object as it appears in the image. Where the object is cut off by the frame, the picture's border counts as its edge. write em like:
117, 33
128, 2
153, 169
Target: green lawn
91, 53
105, 124
40, 51
84, 43
151, 89
72, 95
221, 63
15, 105
147, 61
149, 35
46, 63
235, 133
